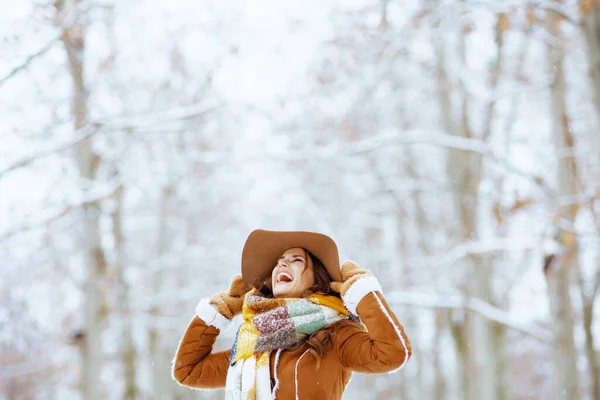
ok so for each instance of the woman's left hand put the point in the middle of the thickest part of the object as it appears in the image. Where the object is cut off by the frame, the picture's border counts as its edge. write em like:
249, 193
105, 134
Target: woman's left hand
229, 303
351, 273
383, 346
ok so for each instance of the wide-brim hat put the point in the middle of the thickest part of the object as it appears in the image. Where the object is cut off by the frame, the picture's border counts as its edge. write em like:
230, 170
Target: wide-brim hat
264, 248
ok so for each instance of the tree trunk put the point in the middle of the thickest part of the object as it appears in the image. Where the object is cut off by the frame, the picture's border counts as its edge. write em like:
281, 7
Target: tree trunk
418, 386
457, 329
126, 346
161, 360
591, 30
456, 326
588, 297
499, 332
588, 313
439, 382
73, 39
464, 170
482, 365
558, 272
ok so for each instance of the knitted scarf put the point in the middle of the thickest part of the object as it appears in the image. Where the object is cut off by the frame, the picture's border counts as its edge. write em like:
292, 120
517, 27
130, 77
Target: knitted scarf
271, 324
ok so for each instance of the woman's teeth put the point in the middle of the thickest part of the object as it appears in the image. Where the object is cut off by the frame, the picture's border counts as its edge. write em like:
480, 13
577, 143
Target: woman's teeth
284, 277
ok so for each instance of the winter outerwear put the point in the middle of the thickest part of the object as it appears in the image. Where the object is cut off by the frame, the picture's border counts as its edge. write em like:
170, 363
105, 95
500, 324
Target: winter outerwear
350, 272
382, 347
229, 302
273, 324
263, 248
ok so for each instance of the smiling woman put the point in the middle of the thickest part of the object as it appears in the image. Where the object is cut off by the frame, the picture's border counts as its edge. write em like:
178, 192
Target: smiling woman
302, 313
293, 275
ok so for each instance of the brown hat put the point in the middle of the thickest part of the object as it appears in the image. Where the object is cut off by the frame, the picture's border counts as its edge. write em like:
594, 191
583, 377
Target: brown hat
263, 249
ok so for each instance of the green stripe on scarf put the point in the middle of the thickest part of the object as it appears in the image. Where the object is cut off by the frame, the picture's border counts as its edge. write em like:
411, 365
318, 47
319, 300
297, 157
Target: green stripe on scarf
271, 324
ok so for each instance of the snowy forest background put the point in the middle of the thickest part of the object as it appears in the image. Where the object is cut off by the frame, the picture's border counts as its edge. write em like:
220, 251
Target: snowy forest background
450, 146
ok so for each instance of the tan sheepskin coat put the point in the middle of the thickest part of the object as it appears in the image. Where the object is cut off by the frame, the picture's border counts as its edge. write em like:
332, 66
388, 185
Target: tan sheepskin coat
384, 347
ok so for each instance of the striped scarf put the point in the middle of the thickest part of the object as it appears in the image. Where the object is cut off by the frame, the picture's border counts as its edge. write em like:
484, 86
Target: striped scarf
269, 324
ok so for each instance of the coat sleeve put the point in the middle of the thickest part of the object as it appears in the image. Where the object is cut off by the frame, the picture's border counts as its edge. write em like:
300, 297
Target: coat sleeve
194, 364
384, 346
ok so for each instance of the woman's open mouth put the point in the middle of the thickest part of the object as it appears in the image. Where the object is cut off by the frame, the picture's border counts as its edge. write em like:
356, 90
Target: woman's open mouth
284, 277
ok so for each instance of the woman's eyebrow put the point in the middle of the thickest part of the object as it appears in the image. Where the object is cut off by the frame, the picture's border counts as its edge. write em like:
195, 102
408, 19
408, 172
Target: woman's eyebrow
294, 255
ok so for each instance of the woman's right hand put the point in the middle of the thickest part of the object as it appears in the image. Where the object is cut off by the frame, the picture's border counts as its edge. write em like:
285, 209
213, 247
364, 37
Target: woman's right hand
229, 303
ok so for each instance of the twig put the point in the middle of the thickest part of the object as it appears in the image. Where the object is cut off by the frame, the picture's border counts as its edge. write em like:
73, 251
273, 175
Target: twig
482, 247
28, 61
136, 122
123, 123
88, 131
478, 306
29, 225
15, 370
413, 137
431, 138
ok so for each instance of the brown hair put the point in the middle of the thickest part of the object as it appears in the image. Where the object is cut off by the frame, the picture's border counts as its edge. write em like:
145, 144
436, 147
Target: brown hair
320, 342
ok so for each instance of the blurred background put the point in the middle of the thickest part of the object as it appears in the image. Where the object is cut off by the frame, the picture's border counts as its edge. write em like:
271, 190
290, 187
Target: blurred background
450, 146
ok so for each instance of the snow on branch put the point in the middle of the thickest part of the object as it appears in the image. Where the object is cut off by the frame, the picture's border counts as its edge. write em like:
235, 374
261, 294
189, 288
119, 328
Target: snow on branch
478, 306
86, 132
374, 143
122, 123
433, 138
482, 247
378, 142
17, 370
151, 120
26, 226
417, 137
567, 13
28, 61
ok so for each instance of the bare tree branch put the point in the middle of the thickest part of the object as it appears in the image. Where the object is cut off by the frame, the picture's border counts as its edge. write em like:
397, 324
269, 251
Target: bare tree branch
478, 306
151, 120
134, 123
16, 370
481, 247
86, 133
564, 11
31, 225
28, 61
424, 137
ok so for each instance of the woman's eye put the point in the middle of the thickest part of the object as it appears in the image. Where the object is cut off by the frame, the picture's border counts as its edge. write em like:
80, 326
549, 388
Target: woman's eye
298, 259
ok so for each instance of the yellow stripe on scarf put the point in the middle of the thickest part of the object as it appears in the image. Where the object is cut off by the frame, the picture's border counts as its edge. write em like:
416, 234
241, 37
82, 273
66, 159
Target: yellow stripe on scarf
248, 333
284, 321
332, 302
247, 338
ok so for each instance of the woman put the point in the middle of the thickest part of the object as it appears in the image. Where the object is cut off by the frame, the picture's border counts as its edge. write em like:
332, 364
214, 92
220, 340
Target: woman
300, 337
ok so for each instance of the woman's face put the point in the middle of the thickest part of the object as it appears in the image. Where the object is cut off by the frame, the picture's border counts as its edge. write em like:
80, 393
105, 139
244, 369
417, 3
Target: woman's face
293, 274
